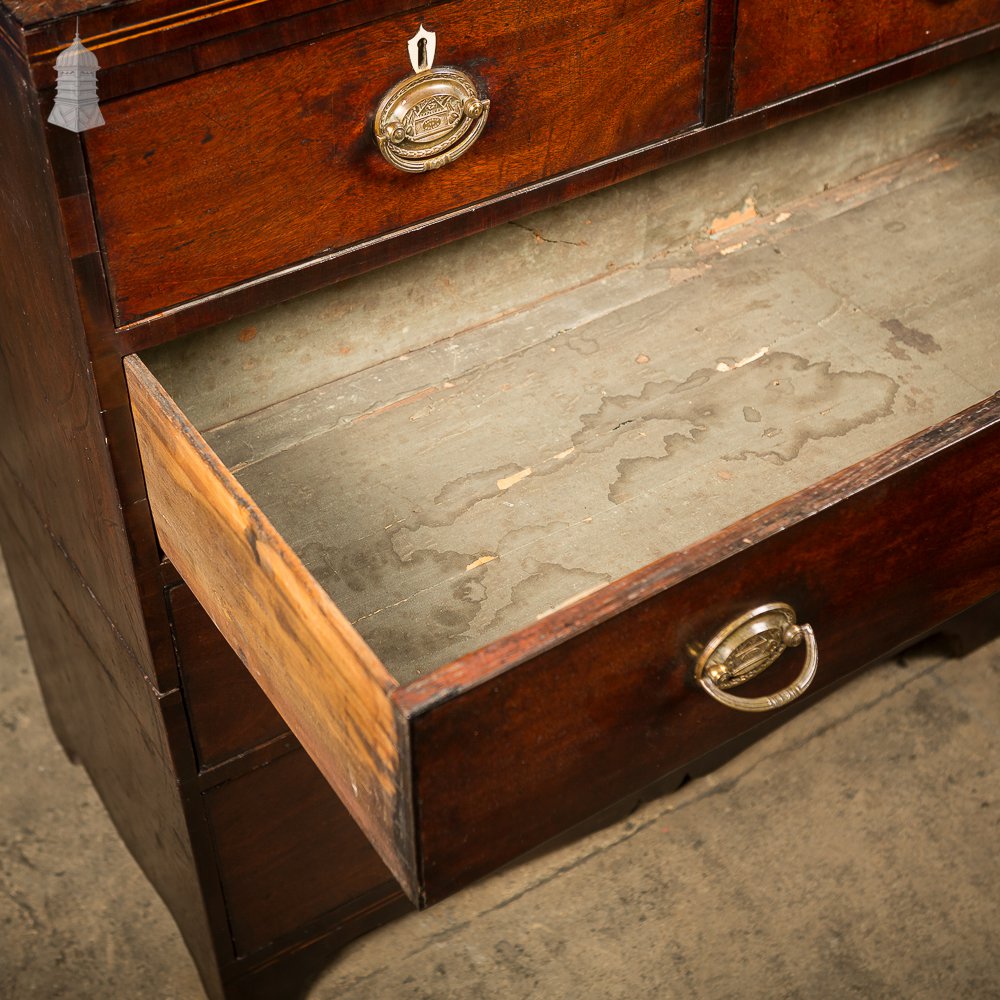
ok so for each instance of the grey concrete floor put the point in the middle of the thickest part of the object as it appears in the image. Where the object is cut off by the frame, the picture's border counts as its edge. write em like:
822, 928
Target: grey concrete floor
852, 853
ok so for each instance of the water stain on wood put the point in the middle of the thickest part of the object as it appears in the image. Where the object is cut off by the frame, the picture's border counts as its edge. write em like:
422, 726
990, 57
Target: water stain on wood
468, 545
446, 620
800, 401
467, 561
903, 336
534, 591
459, 496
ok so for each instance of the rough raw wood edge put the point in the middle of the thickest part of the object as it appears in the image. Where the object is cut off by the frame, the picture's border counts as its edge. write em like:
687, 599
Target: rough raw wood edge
482, 665
306, 656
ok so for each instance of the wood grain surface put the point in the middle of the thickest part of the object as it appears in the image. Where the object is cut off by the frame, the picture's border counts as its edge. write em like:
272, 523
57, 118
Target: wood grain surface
719, 61
86, 649
123, 674
288, 968
296, 280
118, 735
787, 46
148, 43
12, 43
65, 151
68, 543
27, 11
229, 175
33, 13
762, 365
291, 636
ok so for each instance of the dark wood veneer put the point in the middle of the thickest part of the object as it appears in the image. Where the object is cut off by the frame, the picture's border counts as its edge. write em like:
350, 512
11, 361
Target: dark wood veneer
11, 39
719, 61
44, 364
787, 46
70, 547
119, 737
215, 180
139, 51
274, 884
225, 303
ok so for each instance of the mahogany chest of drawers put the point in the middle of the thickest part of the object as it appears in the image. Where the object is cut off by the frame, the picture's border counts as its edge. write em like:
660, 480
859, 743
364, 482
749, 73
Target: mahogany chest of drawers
464, 563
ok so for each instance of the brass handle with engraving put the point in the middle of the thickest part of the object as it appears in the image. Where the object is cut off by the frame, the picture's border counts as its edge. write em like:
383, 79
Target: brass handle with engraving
432, 117
746, 647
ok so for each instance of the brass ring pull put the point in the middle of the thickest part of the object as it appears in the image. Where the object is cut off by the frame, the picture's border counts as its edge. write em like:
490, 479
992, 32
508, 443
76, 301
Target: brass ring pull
749, 645
432, 117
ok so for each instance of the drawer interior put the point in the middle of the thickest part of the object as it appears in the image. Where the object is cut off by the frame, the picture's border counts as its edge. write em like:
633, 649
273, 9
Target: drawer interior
454, 494
359, 522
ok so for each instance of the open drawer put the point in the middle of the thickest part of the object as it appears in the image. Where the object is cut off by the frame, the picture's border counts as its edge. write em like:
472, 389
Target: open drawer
475, 575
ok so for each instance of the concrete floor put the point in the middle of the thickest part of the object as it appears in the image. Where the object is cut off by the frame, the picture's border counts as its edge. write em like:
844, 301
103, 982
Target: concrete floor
852, 853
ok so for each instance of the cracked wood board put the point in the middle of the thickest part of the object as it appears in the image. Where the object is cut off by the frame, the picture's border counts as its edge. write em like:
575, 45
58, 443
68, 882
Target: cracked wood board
452, 495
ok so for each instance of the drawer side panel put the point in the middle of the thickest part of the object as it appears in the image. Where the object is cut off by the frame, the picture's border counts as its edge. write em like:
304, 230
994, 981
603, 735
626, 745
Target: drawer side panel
307, 658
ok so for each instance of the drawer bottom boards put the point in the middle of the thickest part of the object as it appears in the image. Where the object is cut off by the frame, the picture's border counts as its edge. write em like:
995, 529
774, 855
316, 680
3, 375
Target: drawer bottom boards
471, 575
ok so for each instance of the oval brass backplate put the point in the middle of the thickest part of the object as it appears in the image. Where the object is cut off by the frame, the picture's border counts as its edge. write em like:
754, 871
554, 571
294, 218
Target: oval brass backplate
431, 118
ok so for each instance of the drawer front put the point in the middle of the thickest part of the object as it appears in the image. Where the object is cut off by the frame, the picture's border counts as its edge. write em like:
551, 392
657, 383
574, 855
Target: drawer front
225, 176
527, 753
272, 831
784, 47
229, 713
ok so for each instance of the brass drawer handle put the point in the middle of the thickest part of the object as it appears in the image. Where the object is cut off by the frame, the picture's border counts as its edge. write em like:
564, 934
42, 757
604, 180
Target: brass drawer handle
432, 117
746, 647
